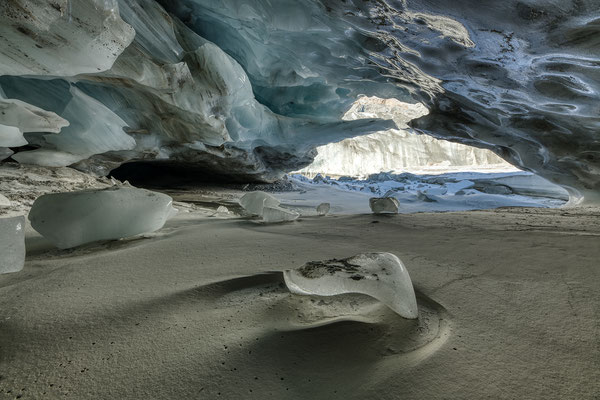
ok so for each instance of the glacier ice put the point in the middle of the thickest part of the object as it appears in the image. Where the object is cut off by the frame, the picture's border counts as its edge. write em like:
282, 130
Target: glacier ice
12, 244
323, 209
379, 275
381, 205
61, 37
250, 90
29, 118
5, 153
11, 136
278, 214
397, 150
95, 130
255, 202
73, 218
4, 202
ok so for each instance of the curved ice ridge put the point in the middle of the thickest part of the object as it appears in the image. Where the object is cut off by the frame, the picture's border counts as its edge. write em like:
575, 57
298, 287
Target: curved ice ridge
252, 88
379, 275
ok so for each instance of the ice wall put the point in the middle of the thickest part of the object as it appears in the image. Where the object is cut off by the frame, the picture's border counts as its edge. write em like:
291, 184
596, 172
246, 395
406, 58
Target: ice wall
397, 150
253, 87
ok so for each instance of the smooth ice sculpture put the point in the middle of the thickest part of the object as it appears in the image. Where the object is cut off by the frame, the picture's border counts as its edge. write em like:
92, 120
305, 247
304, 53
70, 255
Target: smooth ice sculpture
74, 218
255, 202
379, 275
278, 214
12, 244
323, 208
384, 205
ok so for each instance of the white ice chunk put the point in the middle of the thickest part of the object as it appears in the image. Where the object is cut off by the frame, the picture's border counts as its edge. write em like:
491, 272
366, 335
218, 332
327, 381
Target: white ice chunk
221, 211
5, 153
11, 136
278, 214
47, 158
323, 208
384, 205
4, 202
29, 118
254, 202
379, 275
12, 244
74, 218
425, 197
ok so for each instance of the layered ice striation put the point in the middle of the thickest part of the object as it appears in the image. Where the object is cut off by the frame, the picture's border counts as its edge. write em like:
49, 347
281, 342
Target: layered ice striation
381, 205
74, 218
379, 275
253, 88
12, 244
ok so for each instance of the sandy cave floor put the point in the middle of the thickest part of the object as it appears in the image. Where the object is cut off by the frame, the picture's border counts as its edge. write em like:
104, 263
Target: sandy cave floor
509, 309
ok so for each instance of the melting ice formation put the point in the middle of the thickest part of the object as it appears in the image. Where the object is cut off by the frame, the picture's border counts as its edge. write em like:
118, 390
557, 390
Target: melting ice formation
323, 209
12, 244
253, 88
379, 275
381, 205
266, 206
74, 218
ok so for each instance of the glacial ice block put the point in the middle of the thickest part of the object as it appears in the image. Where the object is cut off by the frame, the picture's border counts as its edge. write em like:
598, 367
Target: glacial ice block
384, 205
5, 153
29, 118
278, 214
11, 136
255, 202
74, 218
4, 202
12, 244
323, 209
379, 275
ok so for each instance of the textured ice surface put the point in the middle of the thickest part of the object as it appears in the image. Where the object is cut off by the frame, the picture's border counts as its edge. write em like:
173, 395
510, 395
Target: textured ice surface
397, 150
323, 208
451, 192
12, 244
95, 130
255, 202
11, 136
383, 205
74, 218
252, 89
4, 202
29, 118
278, 214
5, 153
60, 37
379, 275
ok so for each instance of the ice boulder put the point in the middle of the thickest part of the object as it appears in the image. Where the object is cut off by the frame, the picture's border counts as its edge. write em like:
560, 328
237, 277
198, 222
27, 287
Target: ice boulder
255, 202
74, 218
4, 202
12, 244
278, 214
323, 209
5, 153
384, 205
379, 275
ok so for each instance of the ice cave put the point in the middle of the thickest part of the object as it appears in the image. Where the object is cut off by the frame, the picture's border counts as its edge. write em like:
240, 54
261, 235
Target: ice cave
299, 199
